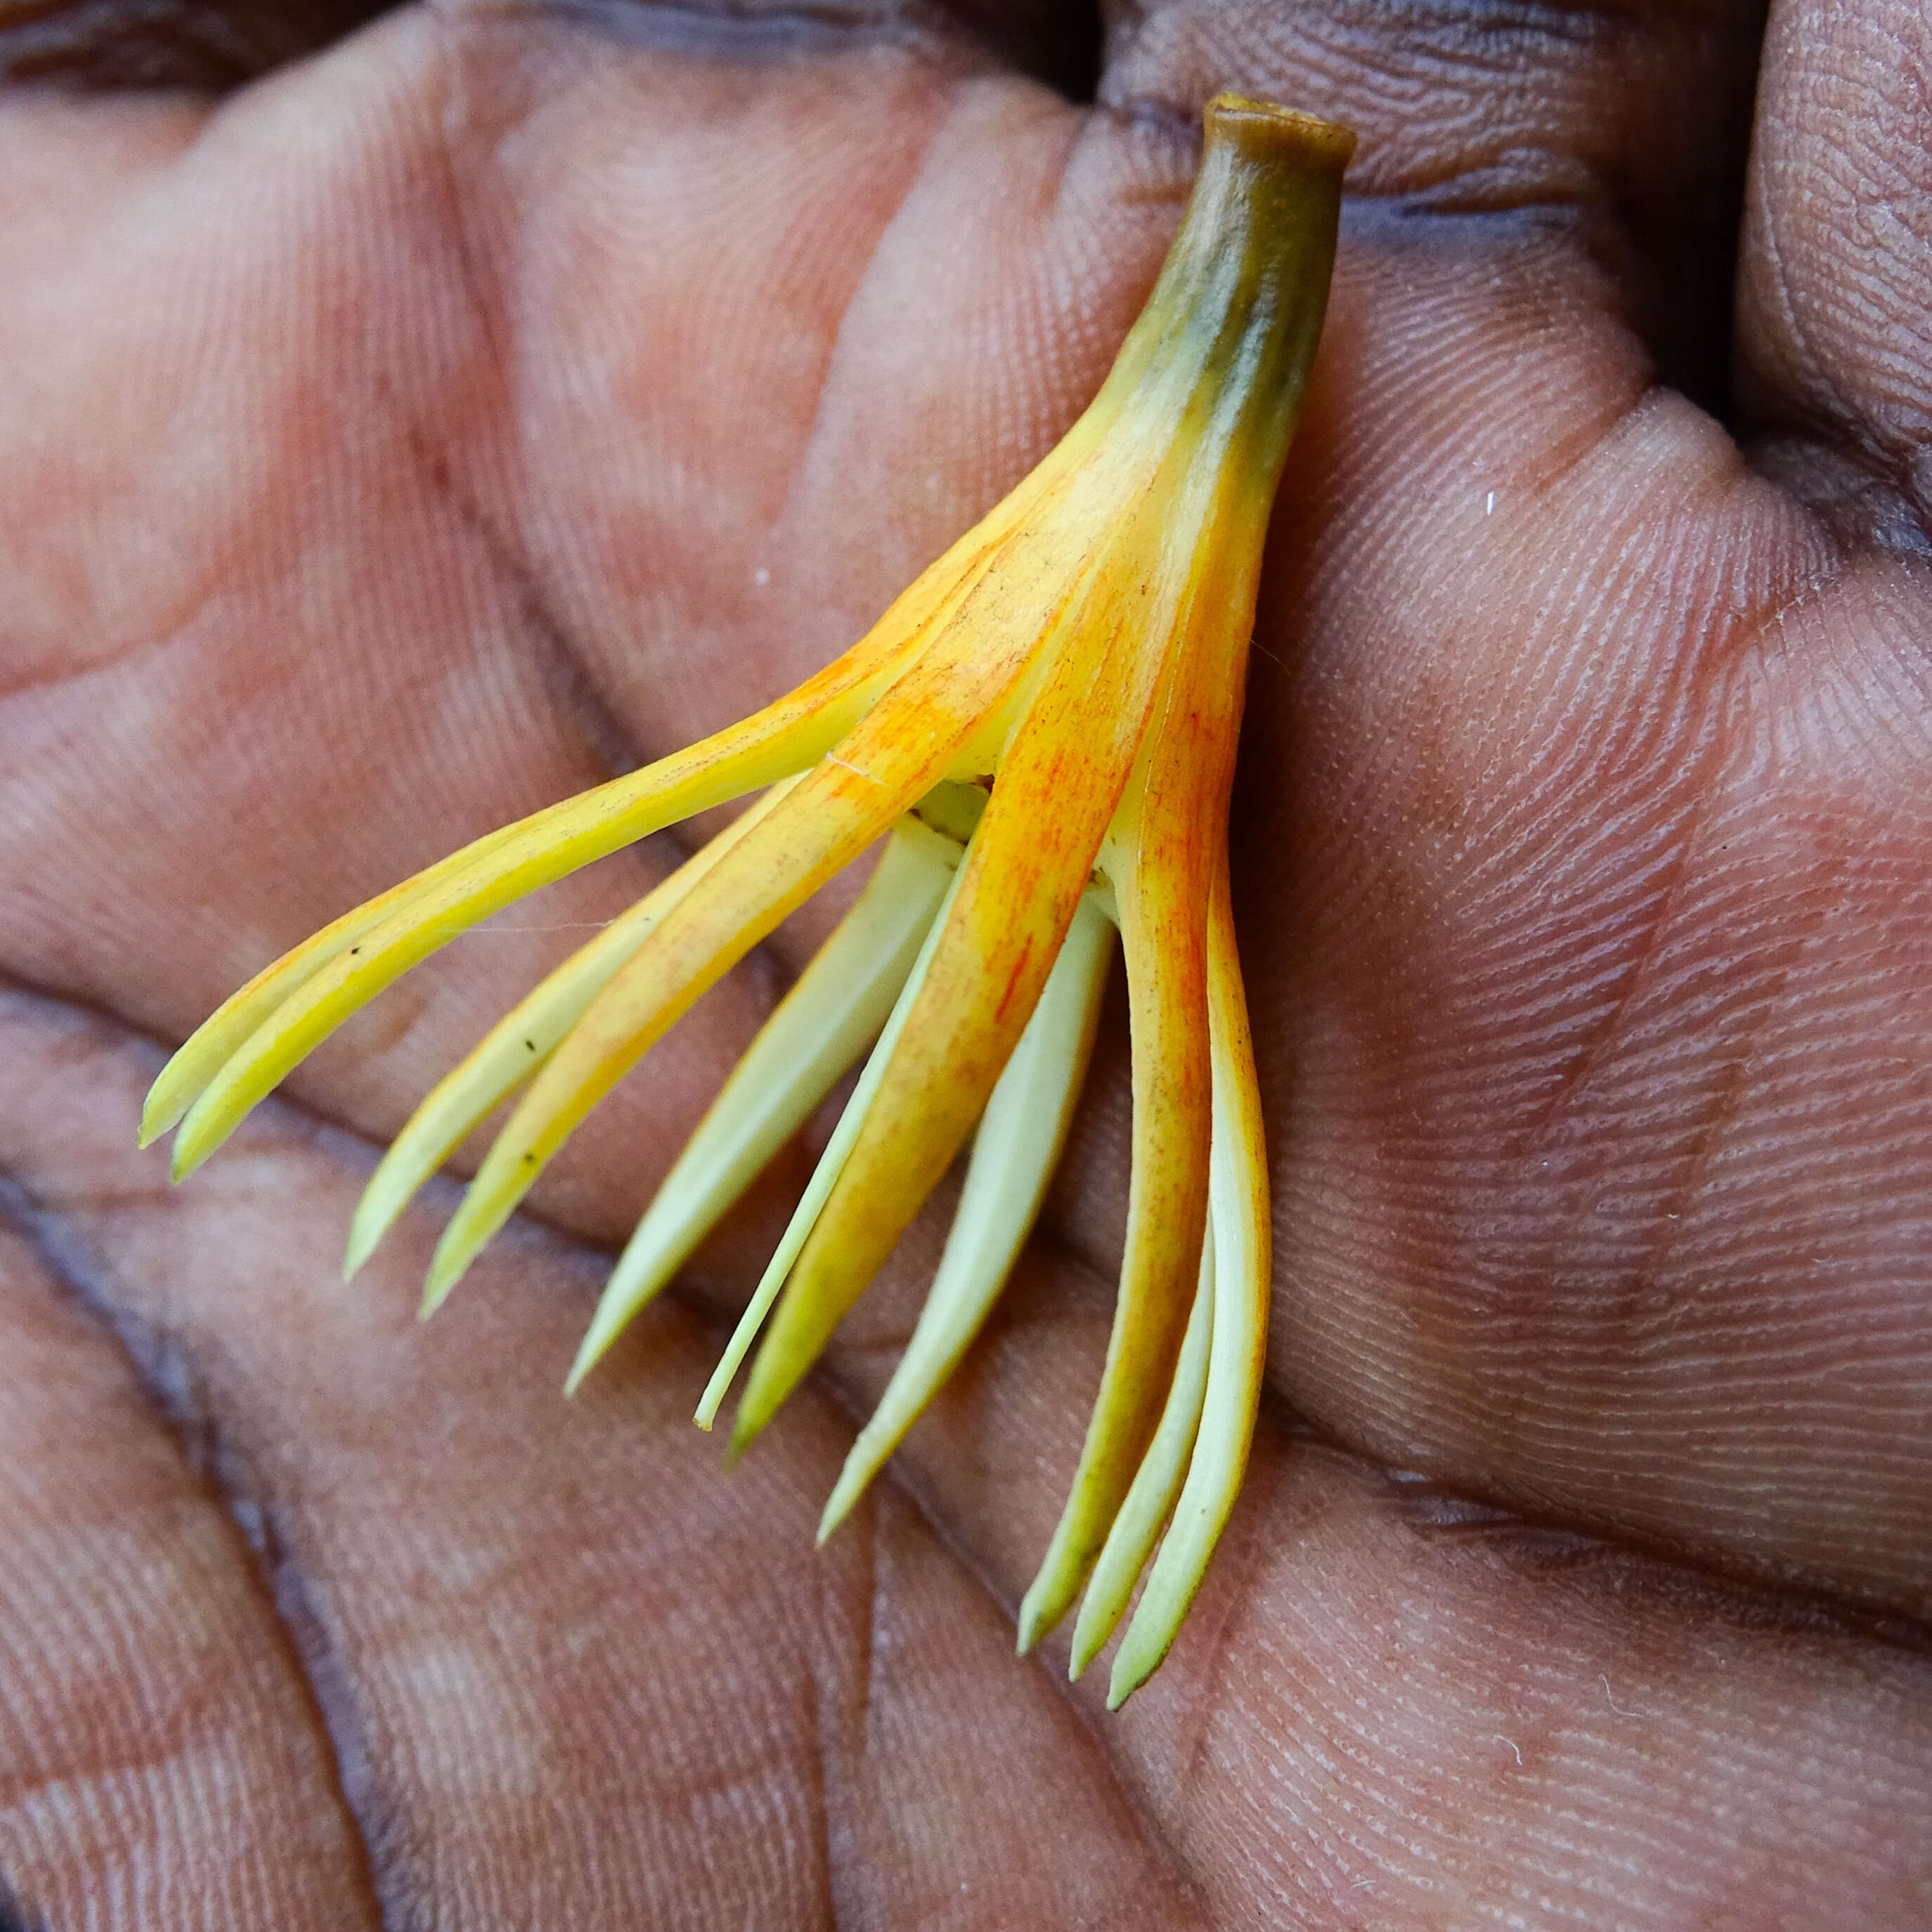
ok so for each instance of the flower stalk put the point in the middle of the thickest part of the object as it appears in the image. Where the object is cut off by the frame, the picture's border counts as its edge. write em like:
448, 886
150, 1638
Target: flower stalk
1042, 730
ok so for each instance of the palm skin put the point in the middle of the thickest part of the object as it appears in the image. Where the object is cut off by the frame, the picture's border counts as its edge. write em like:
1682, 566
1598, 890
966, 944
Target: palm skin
396, 444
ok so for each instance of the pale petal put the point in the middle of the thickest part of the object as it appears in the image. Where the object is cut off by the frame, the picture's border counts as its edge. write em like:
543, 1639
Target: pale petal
1015, 1152
904, 747
1162, 918
825, 1175
1239, 1205
832, 1014
1087, 708
1138, 1527
519, 1044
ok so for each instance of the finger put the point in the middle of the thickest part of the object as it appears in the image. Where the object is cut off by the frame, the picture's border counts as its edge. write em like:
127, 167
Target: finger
209, 46
569, 1672
1624, 126
1838, 251
204, 47
491, 565
508, 1597
161, 1758
1507, 735
1575, 1205
1390, 1707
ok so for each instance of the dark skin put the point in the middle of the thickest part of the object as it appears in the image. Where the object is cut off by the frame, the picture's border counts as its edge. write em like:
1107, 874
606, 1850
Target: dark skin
406, 437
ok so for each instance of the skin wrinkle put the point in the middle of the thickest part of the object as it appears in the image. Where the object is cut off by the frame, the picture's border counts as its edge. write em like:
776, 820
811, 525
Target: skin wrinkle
378, 1819
1215, 1623
825, 446
1598, 1049
734, 28
904, 1482
1164, 1846
189, 1421
587, 706
1770, 212
174, 630
1629, 1695
828, 363
1721, 1109
1792, 450
1055, 51
831, 1865
15, 1916
112, 46
1430, 138
1485, 1523
839, 1838
379, 1822
584, 712
898, 1487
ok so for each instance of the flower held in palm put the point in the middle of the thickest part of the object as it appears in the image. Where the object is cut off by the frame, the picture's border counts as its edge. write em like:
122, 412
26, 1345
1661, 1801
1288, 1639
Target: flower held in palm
1042, 728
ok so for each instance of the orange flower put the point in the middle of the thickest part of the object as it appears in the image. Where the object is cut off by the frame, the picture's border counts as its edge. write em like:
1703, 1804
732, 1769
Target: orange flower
1042, 728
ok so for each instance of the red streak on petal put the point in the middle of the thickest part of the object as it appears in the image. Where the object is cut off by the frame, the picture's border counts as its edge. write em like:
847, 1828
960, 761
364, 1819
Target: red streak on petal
1012, 980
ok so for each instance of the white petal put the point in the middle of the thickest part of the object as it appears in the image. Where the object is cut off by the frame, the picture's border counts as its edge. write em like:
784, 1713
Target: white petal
829, 1017
1237, 1214
519, 1043
825, 1176
1144, 1513
1015, 1151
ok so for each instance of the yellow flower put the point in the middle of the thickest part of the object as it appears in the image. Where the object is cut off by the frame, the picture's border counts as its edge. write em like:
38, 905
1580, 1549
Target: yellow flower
1042, 728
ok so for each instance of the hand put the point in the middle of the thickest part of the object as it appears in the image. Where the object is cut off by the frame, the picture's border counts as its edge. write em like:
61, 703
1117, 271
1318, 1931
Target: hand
397, 443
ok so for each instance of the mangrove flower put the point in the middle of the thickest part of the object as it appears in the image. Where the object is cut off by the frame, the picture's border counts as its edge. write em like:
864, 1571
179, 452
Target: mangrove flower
1041, 731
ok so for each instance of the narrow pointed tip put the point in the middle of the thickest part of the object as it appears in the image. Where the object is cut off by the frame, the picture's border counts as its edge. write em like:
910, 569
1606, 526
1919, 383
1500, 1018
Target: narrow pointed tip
845, 1492
744, 1433
361, 1244
1086, 1647
756, 1408
590, 1351
1131, 1670
616, 1308
1032, 1626
187, 1157
163, 1107
447, 1267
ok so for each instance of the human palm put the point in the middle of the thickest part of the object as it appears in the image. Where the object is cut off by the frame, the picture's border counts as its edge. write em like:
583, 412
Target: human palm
507, 393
